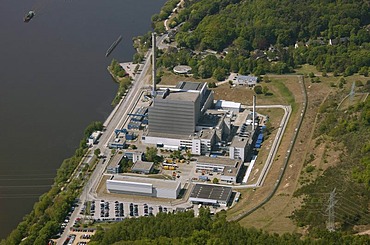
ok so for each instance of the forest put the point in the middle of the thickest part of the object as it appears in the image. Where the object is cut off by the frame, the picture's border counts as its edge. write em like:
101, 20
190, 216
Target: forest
270, 36
184, 228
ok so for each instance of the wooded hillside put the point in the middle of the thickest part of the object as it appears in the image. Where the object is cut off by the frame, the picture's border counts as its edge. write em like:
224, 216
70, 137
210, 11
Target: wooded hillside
277, 36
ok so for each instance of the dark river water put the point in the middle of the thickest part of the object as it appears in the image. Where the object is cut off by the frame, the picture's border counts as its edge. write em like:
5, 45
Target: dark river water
53, 83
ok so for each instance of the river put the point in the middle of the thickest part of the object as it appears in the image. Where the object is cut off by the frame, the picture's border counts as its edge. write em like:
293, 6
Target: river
53, 83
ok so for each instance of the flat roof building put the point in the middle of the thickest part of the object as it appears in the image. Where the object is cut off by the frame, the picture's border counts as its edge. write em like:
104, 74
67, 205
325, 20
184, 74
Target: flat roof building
246, 80
93, 138
143, 186
114, 164
228, 169
134, 155
142, 167
240, 145
210, 194
227, 105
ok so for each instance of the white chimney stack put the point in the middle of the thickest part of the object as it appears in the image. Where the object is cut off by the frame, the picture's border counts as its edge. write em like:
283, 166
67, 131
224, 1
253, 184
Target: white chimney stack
254, 112
154, 45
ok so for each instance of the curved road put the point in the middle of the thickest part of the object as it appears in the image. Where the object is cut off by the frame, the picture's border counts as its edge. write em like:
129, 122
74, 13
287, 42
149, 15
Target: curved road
287, 157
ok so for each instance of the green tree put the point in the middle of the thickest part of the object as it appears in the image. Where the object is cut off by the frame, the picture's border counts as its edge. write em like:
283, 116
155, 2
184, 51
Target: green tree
151, 154
97, 152
219, 74
215, 181
177, 154
364, 71
212, 85
137, 58
94, 126
258, 89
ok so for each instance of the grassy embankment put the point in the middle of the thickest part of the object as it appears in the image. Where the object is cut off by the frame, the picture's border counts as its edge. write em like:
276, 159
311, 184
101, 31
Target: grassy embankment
120, 76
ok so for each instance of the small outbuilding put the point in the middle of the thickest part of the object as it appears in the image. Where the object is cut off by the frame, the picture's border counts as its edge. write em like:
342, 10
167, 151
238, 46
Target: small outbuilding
249, 81
227, 105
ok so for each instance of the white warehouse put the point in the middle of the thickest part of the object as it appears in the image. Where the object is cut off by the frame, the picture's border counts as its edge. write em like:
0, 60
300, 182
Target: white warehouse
143, 186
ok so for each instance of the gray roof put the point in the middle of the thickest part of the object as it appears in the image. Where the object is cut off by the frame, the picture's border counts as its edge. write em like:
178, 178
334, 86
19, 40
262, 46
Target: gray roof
142, 166
189, 85
211, 192
182, 95
224, 161
240, 142
248, 79
158, 183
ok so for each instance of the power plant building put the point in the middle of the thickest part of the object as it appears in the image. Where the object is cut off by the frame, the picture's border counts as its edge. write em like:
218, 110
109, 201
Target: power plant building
174, 115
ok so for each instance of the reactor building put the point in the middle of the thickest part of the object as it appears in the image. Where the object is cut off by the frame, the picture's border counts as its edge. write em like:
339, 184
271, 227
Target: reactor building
174, 116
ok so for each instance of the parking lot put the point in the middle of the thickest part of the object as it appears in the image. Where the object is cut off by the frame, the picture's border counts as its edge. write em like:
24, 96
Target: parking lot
101, 210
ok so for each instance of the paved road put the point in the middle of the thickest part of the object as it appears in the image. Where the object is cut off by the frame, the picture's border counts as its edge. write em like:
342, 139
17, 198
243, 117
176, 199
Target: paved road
275, 144
286, 159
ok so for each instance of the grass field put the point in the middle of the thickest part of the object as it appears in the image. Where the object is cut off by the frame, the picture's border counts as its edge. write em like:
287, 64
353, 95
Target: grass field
170, 78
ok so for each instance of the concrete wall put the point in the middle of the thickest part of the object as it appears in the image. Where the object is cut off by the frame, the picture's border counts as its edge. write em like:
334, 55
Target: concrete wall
193, 144
168, 192
160, 140
129, 187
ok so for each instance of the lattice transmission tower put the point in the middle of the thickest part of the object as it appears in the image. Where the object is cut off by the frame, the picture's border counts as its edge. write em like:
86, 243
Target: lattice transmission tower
330, 225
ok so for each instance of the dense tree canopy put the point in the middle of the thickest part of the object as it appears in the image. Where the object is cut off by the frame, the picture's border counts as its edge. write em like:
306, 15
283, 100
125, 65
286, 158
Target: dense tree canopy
332, 35
184, 228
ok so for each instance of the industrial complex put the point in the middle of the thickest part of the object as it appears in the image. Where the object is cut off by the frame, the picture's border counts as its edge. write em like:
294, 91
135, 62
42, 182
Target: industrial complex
204, 149
219, 135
